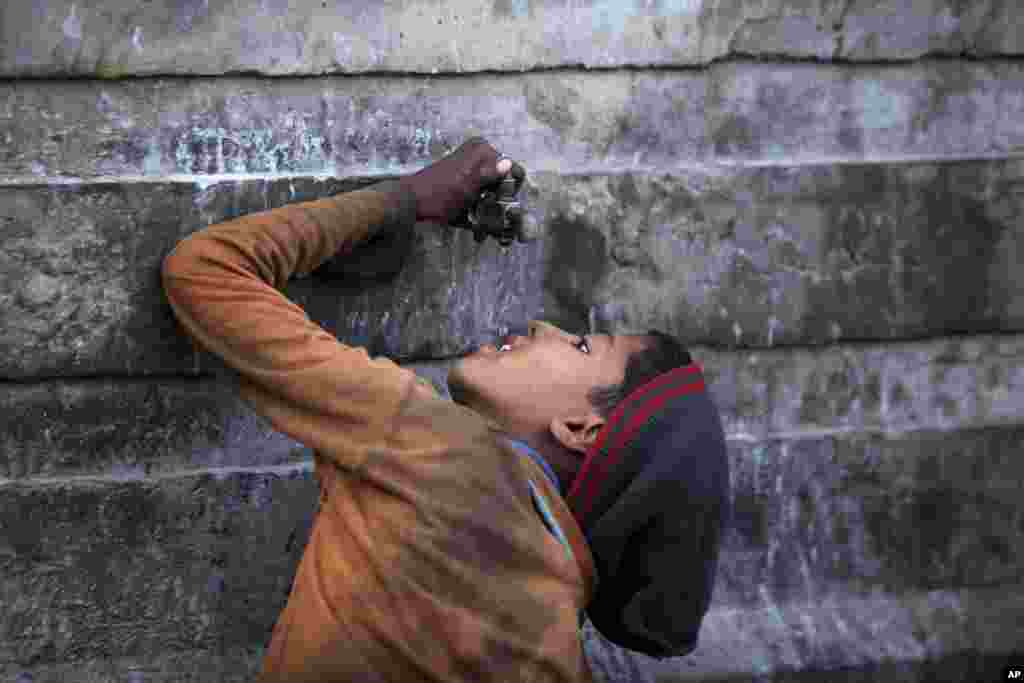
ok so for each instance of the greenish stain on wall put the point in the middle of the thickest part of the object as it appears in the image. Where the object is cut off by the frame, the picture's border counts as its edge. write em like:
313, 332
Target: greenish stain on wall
251, 150
519, 8
295, 148
757, 455
880, 109
109, 72
422, 138
613, 15
153, 162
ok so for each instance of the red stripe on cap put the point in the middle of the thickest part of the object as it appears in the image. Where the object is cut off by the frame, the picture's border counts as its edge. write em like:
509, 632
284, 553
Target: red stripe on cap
593, 470
614, 453
637, 395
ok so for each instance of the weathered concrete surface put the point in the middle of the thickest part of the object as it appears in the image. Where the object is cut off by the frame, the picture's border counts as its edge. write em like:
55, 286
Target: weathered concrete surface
917, 637
727, 257
854, 514
134, 428
81, 272
574, 122
937, 384
110, 39
128, 569
739, 257
844, 551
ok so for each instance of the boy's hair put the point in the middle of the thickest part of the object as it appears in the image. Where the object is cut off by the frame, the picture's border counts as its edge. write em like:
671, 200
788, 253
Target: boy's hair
662, 354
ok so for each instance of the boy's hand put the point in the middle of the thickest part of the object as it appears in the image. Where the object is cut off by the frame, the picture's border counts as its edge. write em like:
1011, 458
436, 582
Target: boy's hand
446, 189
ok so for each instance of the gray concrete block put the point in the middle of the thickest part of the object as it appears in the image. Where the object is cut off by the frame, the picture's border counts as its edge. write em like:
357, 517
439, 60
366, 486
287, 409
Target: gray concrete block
941, 384
81, 273
897, 29
130, 429
124, 429
565, 122
95, 569
108, 39
763, 257
736, 257
81, 277
818, 518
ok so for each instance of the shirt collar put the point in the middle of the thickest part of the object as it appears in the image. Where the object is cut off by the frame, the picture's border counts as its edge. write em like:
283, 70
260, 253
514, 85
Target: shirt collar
529, 452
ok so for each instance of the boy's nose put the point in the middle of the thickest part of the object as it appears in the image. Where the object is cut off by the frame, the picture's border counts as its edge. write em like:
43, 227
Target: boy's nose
538, 327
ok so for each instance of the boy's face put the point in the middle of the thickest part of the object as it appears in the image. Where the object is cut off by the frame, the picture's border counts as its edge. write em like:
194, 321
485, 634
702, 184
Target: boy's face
540, 386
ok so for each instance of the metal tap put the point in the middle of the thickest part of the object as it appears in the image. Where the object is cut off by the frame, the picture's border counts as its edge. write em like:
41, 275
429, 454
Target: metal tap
498, 213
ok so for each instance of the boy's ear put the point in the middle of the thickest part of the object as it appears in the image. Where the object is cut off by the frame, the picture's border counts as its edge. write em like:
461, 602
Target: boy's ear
577, 433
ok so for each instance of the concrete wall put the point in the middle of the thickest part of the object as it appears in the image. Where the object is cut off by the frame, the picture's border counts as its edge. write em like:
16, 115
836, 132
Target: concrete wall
823, 199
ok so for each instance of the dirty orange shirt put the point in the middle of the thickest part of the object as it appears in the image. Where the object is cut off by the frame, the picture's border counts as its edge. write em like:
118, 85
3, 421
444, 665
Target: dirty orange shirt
427, 560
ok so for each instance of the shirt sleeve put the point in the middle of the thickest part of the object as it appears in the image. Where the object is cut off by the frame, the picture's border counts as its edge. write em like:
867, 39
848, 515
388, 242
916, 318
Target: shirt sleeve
223, 285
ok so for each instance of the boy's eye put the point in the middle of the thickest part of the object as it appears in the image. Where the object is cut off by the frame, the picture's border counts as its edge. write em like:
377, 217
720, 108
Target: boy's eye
583, 342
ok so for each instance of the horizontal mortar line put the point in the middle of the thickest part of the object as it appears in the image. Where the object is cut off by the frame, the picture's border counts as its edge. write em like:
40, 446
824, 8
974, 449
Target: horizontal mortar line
217, 472
205, 181
736, 58
303, 467
896, 344
892, 431
897, 600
